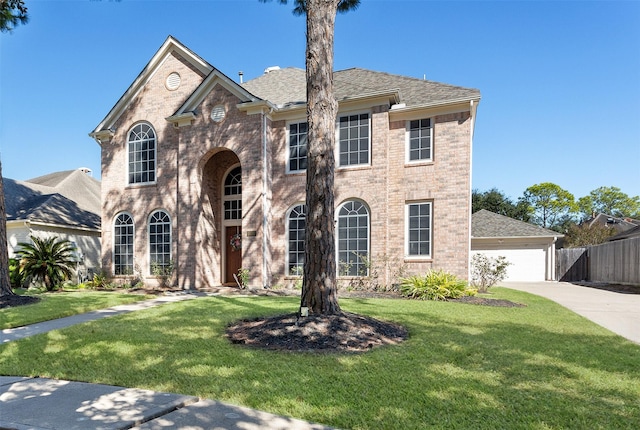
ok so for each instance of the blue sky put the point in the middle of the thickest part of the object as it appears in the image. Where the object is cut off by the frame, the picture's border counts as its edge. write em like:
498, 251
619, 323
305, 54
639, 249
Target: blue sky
560, 81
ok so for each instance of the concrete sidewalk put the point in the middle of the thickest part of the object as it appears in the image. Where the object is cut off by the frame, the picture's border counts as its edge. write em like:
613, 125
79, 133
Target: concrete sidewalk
618, 312
46, 404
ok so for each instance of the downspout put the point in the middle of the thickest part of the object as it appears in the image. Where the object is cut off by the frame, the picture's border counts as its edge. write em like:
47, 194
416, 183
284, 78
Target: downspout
265, 222
472, 112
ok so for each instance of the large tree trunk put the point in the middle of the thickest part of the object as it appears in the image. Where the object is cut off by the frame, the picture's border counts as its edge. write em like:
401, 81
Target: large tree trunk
319, 290
5, 283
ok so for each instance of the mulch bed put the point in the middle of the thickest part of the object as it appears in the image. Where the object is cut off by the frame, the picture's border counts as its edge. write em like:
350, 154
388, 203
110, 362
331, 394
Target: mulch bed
12, 301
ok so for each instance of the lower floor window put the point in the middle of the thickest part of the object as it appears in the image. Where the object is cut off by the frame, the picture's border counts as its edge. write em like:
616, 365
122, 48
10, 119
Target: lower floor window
353, 239
159, 241
419, 229
123, 234
296, 224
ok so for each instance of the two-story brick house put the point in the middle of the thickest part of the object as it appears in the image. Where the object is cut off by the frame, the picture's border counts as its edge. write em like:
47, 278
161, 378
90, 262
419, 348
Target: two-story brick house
209, 173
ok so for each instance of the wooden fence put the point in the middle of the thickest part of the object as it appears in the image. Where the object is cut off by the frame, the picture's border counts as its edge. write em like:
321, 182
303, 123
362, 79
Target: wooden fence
615, 262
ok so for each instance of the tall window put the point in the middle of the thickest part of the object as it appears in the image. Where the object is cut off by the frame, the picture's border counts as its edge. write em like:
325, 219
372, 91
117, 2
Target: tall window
354, 139
419, 145
123, 235
159, 240
142, 154
233, 194
298, 147
295, 227
419, 229
353, 239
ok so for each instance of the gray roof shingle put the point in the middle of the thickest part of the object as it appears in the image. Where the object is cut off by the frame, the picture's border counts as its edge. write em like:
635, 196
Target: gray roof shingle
287, 86
485, 223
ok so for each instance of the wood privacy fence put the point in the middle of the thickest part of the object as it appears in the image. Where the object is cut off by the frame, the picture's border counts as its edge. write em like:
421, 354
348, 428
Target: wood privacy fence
615, 262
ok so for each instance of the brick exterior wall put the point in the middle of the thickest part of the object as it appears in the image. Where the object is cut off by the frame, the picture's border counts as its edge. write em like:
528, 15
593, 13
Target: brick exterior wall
192, 161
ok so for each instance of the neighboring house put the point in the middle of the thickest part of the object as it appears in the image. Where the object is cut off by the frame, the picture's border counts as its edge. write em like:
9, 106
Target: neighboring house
624, 227
209, 174
529, 248
62, 204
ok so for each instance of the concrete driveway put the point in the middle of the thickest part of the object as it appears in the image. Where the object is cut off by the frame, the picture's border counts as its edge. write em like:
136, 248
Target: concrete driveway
618, 312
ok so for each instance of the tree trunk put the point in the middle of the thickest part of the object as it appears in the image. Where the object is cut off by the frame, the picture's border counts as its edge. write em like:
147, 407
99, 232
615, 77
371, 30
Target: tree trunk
5, 283
319, 290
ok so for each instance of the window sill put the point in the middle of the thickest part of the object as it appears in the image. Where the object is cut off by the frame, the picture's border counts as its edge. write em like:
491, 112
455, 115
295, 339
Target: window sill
418, 163
356, 167
418, 259
140, 185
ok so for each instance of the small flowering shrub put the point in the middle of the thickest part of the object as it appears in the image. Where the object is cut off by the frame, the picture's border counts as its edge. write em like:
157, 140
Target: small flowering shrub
487, 271
435, 285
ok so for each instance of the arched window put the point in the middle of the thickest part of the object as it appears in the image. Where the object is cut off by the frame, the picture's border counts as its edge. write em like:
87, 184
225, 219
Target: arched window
353, 239
142, 154
123, 237
159, 240
295, 232
233, 195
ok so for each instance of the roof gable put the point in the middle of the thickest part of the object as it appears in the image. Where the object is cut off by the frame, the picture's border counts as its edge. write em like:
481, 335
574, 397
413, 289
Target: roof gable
485, 223
171, 45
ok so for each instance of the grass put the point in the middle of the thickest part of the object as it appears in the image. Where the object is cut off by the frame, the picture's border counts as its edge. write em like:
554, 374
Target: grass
60, 305
463, 366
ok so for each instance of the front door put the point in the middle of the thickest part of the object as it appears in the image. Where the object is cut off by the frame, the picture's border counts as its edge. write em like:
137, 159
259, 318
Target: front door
233, 235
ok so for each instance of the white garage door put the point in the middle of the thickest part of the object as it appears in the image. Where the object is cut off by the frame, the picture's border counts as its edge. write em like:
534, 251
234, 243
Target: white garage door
527, 265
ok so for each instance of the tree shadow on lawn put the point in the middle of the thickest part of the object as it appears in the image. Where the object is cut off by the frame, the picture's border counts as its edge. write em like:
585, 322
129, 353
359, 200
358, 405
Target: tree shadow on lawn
450, 373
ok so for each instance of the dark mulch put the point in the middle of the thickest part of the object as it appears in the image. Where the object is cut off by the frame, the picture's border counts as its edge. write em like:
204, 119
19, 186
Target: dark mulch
11, 301
484, 301
345, 332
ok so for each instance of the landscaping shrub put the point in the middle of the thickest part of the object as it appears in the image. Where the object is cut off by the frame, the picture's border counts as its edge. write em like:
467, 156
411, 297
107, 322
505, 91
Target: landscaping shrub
487, 271
435, 285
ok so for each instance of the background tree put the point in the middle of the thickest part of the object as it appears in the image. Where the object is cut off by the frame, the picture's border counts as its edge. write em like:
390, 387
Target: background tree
49, 261
609, 201
551, 205
12, 13
495, 201
319, 287
585, 235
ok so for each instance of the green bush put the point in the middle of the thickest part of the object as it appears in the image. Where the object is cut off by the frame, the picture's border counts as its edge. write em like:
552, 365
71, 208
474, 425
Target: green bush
16, 277
435, 285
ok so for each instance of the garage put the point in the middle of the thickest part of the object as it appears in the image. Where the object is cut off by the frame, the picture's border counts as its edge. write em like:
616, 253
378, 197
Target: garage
529, 248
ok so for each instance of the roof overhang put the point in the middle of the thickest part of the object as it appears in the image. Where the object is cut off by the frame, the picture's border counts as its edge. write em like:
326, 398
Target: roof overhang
400, 111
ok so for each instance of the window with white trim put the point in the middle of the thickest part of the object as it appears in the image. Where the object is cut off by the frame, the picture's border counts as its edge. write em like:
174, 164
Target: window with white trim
353, 239
353, 139
420, 136
123, 240
297, 161
419, 222
233, 195
142, 154
159, 240
296, 222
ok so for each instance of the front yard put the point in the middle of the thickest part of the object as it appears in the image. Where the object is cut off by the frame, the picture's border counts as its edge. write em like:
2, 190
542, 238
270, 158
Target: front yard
463, 366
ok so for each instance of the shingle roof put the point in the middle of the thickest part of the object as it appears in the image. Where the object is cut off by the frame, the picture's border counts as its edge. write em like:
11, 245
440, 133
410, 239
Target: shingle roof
485, 223
69, 198
288, 86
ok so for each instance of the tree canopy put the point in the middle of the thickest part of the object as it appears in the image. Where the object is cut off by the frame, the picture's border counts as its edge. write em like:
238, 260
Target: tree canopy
551, 205
495, 201
610, 201
12, 13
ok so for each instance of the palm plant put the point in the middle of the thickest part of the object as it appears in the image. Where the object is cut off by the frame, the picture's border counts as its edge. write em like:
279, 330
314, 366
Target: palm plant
48, 260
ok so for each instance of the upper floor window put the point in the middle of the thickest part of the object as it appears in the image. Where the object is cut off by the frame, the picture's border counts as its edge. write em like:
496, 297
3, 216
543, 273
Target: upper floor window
353, 136
418, 229
159, 240
233, 194
353, 239
419, 140
142, 154
123, 237
296, 222
297, 147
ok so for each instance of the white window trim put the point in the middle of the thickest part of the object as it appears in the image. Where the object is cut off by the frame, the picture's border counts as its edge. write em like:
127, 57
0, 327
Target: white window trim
287, 151
287, 242
149, 235
113, 238
337, 148
224, 198
406, 231
407, 144
155, 164
337, 238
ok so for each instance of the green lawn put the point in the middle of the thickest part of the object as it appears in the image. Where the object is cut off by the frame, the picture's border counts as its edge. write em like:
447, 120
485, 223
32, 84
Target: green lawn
463, 366
58, 305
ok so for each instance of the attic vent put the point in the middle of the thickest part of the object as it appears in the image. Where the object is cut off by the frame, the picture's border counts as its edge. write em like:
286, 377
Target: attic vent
173, 81
218, 113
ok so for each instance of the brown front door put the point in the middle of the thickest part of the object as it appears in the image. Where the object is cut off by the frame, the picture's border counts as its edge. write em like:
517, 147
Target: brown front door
233, 254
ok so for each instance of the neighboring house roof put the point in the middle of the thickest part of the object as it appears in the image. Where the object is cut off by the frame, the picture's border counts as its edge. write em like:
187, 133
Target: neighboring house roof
620, 225
285, 87
70, 198
485, 224
627, 234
